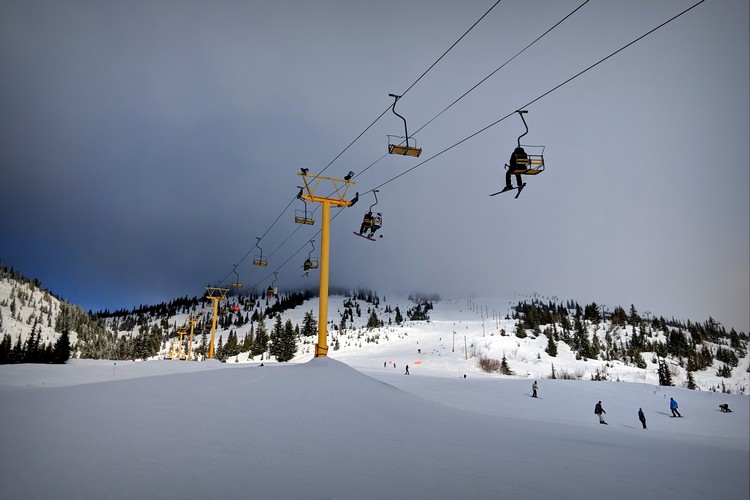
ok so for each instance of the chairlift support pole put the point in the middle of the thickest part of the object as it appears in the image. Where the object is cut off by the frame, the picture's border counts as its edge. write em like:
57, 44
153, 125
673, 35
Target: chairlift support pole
216, 294
192, 321
340, 189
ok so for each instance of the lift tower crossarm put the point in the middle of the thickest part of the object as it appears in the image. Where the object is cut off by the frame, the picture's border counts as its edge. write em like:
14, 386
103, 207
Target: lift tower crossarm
340, 189
216, 294
337, 198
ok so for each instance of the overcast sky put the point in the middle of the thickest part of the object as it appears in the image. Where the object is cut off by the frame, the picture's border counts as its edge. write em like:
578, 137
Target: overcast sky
144, 145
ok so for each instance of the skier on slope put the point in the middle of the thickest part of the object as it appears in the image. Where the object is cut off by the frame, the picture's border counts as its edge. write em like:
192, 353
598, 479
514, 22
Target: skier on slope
598, 410
673, 407
534, 387
642, 417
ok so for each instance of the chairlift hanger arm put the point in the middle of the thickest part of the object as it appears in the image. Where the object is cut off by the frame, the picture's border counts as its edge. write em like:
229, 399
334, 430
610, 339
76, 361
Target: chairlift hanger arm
393, 108
375, 192
521, 113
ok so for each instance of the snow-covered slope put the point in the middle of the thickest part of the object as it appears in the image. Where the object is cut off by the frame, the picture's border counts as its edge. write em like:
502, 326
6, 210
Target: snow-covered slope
322, 429
24, 306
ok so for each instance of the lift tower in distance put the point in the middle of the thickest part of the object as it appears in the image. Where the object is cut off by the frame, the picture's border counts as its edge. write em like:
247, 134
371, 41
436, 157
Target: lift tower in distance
215, 294
339, 189
192, 320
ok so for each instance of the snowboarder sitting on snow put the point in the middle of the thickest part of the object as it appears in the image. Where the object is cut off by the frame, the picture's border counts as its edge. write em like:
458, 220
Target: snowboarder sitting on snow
642, 417
724, 408
673, 407
598, 410
534, 387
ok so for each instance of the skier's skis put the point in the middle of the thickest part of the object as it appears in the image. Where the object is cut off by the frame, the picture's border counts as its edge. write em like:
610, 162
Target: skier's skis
505, 190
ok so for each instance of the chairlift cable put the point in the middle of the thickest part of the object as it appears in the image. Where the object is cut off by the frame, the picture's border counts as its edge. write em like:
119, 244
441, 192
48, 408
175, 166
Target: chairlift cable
556, 87
501, 66
565, 82
410, 87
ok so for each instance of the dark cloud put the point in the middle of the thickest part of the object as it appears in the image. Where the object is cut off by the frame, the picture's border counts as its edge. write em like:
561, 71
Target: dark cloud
145, 145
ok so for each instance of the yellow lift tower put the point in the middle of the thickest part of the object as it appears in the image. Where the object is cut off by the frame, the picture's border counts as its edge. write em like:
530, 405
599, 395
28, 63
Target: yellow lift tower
340, 189
181, 332
192, 320
215, 294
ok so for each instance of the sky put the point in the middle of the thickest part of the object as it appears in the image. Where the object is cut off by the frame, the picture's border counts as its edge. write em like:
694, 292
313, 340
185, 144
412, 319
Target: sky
144, 146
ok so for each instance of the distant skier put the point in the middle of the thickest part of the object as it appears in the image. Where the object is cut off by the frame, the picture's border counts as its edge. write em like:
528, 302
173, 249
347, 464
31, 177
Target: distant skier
534, 387
407, 369
724, 408
642, 417
673, 407
598, 410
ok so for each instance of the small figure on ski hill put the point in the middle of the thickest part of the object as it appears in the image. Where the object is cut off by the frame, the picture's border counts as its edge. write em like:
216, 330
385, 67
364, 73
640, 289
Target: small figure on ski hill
534, 387
642, 417
724, 408
598, 410
385, 363
673, 407
407, 369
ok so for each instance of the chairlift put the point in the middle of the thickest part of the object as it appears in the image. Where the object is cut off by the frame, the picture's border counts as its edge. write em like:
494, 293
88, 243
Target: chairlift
258, 260
272, 291
370, 221
396, 147
236, 283
526, 159
303, 216
310, 263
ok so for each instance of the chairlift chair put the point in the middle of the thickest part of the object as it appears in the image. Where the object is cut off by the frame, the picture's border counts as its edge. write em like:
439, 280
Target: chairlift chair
370, 221
532, 161
258, 260
237, 283
310, 263
303, 216
396, 147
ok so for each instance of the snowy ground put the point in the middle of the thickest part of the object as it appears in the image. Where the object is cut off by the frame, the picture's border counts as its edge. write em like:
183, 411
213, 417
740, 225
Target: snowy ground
346, 427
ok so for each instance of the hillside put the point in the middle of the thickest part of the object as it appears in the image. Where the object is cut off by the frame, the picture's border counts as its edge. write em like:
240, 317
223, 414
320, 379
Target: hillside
538, 337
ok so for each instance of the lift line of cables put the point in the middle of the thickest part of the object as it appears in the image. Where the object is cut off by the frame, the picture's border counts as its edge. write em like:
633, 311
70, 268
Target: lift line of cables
427, 123
410, 86
358, 137
483, 129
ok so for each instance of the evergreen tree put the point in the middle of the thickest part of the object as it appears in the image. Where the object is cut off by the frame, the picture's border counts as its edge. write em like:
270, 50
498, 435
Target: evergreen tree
287, 342
275, 347
665, 378
399, 318
260, 343
551, 345
5, 349
691, 381
309, 325
61, 352
373, 321
247, 343
504, 368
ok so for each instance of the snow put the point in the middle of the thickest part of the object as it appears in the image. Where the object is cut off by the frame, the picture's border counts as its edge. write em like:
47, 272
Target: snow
325, 429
